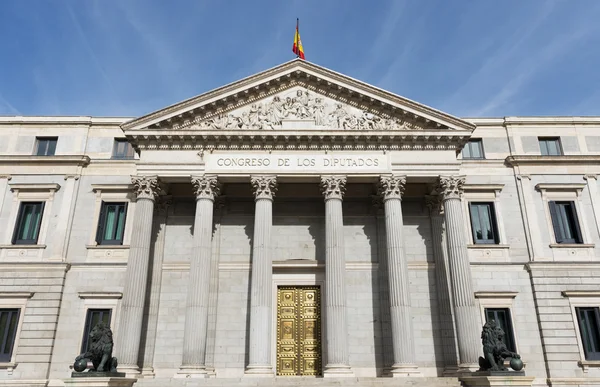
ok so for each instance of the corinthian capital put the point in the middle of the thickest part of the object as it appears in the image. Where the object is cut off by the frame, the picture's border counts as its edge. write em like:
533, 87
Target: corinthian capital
435, 205
264, 187
206, 187
391, 187
333, 187
451, 187
145, 187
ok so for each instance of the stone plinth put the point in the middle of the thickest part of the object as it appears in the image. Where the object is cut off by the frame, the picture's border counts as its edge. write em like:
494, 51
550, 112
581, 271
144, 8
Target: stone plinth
100, 379
489, 379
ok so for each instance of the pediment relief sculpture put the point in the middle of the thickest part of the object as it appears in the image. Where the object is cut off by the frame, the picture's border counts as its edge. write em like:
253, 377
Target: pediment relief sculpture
318, 112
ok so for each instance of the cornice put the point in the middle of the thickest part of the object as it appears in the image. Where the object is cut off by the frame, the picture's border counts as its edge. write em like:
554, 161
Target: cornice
295, 72
80, 161
299, 140
552, 160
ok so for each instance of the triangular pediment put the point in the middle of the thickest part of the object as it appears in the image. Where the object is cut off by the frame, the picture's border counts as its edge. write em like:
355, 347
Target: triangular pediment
297, 96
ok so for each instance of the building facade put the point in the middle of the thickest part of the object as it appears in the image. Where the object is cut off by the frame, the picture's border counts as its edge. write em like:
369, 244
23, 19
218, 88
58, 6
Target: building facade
299, 222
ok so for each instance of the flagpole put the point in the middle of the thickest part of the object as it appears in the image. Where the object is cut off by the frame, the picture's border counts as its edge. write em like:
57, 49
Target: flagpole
298, 35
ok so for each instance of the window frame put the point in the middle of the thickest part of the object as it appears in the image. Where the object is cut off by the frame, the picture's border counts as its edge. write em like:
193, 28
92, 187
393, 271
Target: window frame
100, 227
14, 300
99, 300
111, 193
40, 140
594, 356
115, 156
87, 325
545, 139
585, 299
509, 333
499, 300
493, 222
19, 223
572, 221
485, 193
481, 148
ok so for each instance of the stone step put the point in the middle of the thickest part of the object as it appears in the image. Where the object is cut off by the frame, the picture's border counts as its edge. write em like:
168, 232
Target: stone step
301, 381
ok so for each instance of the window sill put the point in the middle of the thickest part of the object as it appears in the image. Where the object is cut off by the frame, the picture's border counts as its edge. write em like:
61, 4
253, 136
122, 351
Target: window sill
22, 247
587, 364
8, 366
488, 246
107, 247
572, 245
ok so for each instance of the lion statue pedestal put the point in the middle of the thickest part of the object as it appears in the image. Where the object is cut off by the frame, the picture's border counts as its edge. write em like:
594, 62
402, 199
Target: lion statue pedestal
492, 369
103, 370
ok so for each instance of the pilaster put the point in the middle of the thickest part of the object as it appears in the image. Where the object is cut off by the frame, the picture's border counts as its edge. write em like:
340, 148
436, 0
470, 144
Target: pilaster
465, 306
333, 189
261, 296
4, 179
206, 188
391, 189
534, 241
146, 189
65, 218
592, 183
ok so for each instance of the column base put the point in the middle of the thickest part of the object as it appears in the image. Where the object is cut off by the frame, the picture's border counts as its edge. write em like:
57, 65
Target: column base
92, 381
338, 371
191, 372
259, 371
147, 372
404, 370
130, 370
482, 380
450, 371
466, 369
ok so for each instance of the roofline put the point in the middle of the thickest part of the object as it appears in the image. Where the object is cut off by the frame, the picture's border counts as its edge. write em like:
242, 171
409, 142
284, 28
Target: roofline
71, 120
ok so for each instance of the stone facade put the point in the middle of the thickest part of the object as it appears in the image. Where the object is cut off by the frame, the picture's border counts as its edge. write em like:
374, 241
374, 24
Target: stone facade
344, 186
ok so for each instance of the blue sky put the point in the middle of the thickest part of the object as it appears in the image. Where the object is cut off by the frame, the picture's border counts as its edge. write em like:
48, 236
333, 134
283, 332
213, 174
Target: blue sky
470, 58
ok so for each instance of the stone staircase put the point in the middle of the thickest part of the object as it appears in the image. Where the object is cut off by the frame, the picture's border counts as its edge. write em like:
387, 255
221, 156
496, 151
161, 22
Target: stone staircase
301, 381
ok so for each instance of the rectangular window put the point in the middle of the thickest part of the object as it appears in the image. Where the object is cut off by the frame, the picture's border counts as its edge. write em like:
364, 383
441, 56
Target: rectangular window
483, 223
122, 149
473, 149
550, 146
9, 319
565, 222
111, 223
93, 317
502, 317
27, 228
589, 328
46, 146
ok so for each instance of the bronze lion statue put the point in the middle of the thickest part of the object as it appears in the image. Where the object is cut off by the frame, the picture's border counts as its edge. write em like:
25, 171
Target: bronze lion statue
494, 349
100, 349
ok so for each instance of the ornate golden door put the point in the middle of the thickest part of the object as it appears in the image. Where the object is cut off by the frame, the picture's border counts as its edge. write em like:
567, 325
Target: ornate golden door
298, 330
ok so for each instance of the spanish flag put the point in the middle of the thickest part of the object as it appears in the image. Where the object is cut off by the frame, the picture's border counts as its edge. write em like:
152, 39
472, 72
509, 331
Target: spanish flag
297, 48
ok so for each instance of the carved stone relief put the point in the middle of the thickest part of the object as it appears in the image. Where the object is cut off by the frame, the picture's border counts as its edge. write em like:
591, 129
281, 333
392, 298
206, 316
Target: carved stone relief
145, 187
264, 187
300, 104
333, 187
206, 187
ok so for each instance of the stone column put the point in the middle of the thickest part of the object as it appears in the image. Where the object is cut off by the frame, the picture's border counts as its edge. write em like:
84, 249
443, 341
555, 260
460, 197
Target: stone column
333, 188
442, 283
206, 188
132, 307
391, 189
262, 278
154, 284
466, 312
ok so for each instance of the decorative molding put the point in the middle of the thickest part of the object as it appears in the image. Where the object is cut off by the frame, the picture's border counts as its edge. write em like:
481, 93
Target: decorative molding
559, 187
295, 263
112, 187
552, 160
23, 247
100, 295
435, 205
333, 187
146, 187
264, 187
580, 293
34, 187
572, 245
586, 365
562, 266
573, 381
107, 247
7, 177
451, 187
79, 161
495, 294
392, 187
488, 246
16, 294
483, 187
206, 186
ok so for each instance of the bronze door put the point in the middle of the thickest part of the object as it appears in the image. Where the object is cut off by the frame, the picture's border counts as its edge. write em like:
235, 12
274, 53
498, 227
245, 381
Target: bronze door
298, 330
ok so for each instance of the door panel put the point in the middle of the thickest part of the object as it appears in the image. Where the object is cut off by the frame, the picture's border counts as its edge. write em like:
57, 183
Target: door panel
298, 330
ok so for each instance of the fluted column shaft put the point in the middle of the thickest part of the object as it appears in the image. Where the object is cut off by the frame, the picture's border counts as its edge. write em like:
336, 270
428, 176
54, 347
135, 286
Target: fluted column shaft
196, 314
442, 282
391, 189
333, 188
132, 307
465, 307
262, 277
